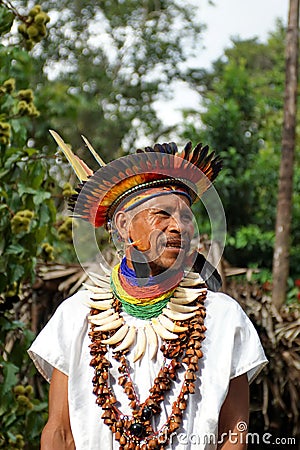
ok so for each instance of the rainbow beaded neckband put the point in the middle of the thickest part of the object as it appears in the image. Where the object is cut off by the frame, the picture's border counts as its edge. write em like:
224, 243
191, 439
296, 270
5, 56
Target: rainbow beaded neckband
142, 302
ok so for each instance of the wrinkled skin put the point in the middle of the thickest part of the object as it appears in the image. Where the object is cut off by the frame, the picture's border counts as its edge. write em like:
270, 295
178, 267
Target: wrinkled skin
162, 228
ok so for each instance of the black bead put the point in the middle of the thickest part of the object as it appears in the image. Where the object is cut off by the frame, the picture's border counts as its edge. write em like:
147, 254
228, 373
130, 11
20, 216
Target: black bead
147, 413
137, 429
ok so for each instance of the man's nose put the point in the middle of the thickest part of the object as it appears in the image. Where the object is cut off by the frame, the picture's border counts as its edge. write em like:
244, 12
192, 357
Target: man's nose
176, 225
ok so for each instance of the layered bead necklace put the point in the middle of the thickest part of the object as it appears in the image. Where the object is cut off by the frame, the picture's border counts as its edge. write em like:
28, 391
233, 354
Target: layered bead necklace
178, 321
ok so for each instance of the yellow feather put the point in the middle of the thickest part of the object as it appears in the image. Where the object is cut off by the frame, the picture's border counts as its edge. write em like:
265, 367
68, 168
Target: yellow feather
93, 152
80, 168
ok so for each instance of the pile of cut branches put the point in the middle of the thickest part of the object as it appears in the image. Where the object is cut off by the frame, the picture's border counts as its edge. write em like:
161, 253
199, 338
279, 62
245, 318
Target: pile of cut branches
275, 394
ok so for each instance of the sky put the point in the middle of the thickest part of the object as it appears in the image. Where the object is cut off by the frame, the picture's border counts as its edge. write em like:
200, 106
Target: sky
228, 18
242, 18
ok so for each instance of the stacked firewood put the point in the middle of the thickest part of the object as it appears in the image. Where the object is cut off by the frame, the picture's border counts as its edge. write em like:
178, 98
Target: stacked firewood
275, 393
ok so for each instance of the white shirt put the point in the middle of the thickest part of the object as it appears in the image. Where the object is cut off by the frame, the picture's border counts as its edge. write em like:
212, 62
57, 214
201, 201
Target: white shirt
231, 348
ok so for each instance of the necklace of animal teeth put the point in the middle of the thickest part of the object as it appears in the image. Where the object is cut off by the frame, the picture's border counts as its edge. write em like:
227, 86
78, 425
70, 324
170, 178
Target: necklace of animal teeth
169, 323
136, 431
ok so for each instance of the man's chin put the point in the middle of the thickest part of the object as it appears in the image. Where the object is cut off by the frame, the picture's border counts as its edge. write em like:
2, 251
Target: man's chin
175, 262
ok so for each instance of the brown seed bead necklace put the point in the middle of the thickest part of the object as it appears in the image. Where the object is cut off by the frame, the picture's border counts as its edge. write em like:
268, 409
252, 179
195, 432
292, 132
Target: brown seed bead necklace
136, 432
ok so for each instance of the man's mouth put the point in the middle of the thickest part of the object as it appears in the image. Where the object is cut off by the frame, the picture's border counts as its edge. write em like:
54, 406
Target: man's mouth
175, 244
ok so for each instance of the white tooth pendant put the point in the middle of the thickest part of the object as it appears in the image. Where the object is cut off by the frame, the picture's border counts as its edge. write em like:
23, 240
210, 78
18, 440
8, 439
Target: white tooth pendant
191, 295
105, 270
188, 291
102, 296
181, 308
100, 280
104, 320
104, 278
103, 314
161, 330
177, 315
182, 300
97, 289
141, 344
111, 325
118, 336
170, 325
101, 305
127, 341
191, 282
151, 340
105, 287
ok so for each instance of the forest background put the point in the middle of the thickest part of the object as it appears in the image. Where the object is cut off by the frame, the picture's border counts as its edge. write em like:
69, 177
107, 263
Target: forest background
96, 68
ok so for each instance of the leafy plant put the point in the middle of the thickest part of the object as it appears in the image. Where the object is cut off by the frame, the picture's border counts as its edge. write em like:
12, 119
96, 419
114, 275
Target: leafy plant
28, 230
27, 191
22, 415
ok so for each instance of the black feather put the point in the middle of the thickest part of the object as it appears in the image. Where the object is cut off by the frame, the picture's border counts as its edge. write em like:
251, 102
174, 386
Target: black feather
174, 148
149, 149
167, 148
159, 148
196, 152
187, 150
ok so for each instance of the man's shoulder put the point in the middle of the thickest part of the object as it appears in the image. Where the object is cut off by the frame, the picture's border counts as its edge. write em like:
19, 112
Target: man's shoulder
224, 312
221, 302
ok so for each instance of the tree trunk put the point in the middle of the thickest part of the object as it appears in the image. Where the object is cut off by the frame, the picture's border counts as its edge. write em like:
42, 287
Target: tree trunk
285, 188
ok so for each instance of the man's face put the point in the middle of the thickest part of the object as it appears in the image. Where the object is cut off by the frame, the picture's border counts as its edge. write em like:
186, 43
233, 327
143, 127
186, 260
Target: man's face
162, 228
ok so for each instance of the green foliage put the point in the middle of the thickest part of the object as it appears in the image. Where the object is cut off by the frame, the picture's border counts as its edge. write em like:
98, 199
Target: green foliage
27, 224
293, 295
28, 210
34, 29
65, 230
242, 120
28, 215
22, 415
107, 62
13, 105
229, 126
251, 244
261, 277
6, 20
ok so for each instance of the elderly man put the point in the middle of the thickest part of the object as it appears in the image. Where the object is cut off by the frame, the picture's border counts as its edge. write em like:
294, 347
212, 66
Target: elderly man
147, 356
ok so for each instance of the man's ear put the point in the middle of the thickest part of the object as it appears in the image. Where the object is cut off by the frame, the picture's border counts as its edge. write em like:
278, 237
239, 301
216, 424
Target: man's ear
122, 223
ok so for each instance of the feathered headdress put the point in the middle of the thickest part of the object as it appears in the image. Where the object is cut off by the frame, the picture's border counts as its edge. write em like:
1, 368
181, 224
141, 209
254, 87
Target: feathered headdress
100, 193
